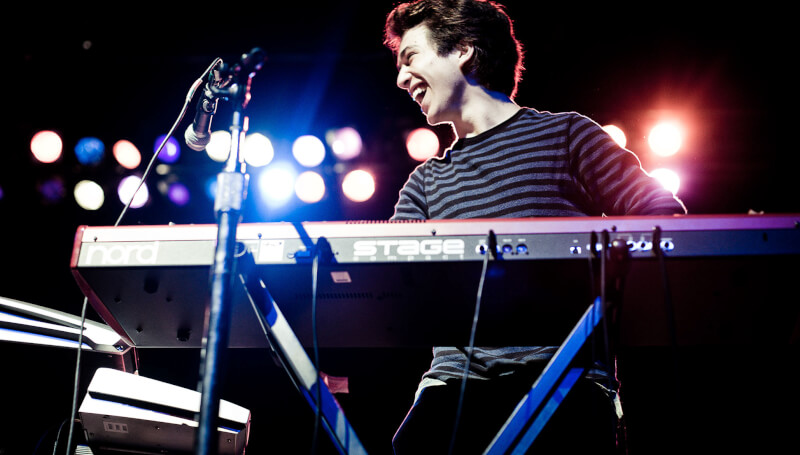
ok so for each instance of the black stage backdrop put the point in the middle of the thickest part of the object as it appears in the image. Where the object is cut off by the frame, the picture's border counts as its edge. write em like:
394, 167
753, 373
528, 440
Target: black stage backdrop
123, 72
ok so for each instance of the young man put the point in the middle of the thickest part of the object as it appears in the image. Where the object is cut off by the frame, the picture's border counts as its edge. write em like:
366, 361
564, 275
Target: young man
460, 61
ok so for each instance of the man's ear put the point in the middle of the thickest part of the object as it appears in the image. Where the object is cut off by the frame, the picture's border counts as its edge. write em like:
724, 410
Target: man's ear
466, 52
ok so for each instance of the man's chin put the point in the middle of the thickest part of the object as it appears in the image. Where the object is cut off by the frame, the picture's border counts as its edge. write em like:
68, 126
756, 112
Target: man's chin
437, 117
433, 122
432, 119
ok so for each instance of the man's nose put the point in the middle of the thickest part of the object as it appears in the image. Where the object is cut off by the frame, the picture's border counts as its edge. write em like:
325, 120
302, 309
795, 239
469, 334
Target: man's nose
403, 78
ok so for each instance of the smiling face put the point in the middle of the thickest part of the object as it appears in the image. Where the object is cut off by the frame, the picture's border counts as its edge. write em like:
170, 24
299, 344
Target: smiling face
434, 81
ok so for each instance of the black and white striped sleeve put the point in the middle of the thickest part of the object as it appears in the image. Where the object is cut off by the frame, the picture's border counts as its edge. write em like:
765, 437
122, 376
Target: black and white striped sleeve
412, 204
613, 176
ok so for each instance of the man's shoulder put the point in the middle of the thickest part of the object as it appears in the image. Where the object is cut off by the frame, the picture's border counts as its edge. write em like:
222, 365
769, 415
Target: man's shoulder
430, 164
531, 113
546, 122
566, 122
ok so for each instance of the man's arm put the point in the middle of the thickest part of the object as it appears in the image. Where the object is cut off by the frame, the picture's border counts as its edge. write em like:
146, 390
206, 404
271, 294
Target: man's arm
412, 204
613, 176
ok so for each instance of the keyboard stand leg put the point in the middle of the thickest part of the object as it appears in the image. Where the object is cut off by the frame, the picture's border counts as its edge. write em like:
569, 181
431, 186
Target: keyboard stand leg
295, 360
557, 379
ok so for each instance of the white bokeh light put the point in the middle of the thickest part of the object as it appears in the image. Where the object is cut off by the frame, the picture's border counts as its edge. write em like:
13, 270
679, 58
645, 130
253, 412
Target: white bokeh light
89, 195
422, 143
668, 178
276, 184
358, 185
47, 146
219, 146
665, 139
127, 154
126, 189
257, 150
309, 187
345, 142
308, 150
617, 134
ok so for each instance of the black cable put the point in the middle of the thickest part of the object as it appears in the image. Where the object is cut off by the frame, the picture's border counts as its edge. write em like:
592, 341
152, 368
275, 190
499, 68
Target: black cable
668, 305
592, 287
609, 368
592, 256
279, 355
315, 347
603, 253
58, 437
607, 250
76, 386
673, 338
492, 250
44, 436
603, 271
181, 115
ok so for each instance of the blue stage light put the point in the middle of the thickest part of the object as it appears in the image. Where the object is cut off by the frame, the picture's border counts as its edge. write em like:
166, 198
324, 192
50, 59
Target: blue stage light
90, 151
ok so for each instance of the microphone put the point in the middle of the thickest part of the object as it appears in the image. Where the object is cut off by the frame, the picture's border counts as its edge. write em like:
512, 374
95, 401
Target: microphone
198, 134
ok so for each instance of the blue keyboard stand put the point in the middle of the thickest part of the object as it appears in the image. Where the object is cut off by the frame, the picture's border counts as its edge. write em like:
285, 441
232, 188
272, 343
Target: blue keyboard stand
302, 370
547, 393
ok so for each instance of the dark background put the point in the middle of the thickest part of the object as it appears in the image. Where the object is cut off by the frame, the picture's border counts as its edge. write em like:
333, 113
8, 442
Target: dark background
123, 71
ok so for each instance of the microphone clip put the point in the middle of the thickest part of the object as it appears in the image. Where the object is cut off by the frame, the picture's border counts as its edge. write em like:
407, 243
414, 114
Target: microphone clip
213, 90
208, 100
233, 81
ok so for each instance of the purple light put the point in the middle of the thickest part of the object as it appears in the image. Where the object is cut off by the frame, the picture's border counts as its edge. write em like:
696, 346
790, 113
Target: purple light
171, 151
178, 194
52, 190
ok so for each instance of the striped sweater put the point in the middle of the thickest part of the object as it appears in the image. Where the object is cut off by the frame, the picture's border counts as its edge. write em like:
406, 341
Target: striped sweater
534, 164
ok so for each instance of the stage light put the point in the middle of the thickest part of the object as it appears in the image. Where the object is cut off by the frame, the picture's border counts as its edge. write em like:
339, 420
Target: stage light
171, 151
358, 185
422, 144
211, 187
126, 189
308, 150
345, 142
309, 187
178, 193
617, 134
163, 169
127, 154
665, 138
52, 189
90, 151
89, 195
219, 146
257, 150
668, 178
46, 146
276, 184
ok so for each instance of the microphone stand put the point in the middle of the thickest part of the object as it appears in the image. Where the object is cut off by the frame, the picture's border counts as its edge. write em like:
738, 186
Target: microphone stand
230, 195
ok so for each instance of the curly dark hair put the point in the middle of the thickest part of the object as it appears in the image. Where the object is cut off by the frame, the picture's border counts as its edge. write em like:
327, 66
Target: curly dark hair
498, 60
